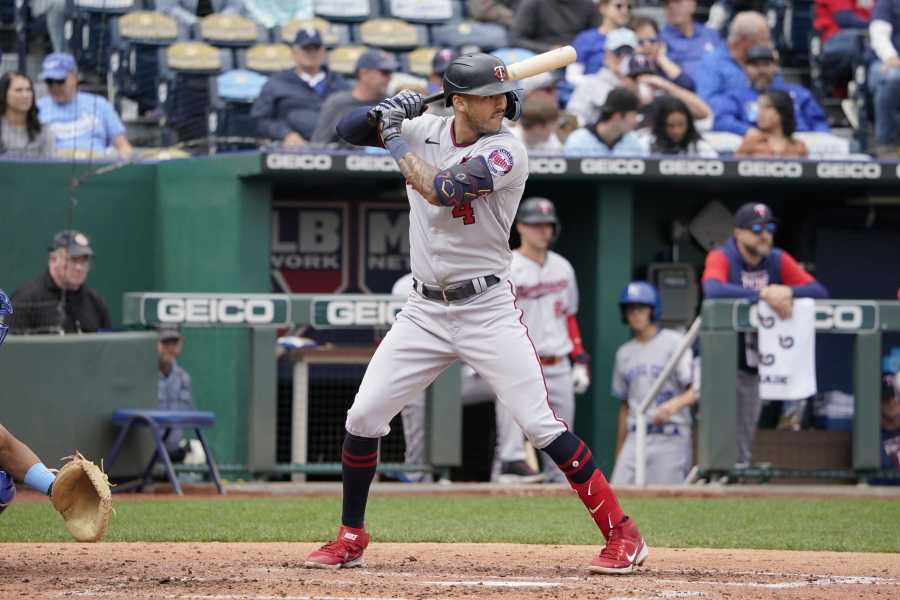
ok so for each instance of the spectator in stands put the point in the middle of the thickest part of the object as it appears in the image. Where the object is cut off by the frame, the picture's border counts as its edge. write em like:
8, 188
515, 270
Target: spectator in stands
736, 109
843, 25
884, 74
890, 424
650, 86
672, 131
651, 45
613, 132
591, 44
775, 127
497, 11
723, 69
591, 91
541, 25
77, 120
288, 106
175, 391
373, 74
21, 132
54, 12
686, 40
566, 126
191, 11
748, 266
58, 300
439, 63
537, 128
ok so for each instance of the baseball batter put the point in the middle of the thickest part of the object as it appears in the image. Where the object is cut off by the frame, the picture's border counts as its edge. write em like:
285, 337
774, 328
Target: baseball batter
638, 364
547, 294
465, 176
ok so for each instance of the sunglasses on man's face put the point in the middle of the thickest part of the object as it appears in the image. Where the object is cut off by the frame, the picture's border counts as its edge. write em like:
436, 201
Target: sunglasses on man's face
54, 81
758, 228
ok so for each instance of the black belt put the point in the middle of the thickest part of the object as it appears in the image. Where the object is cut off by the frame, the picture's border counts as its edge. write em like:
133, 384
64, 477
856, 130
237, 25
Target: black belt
456, 291
665, 429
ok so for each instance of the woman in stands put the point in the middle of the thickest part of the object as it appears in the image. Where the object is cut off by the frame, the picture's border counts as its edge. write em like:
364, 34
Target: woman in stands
672, 131
775, 126
20, 130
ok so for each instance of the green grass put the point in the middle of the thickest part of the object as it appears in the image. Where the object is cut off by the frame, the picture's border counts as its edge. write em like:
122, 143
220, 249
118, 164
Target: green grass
792, 524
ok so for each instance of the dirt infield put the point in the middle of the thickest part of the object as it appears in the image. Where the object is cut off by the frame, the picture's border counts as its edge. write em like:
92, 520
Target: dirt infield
273, 571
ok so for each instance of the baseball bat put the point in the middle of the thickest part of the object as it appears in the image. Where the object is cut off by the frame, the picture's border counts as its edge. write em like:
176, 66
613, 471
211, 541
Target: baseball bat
546, 61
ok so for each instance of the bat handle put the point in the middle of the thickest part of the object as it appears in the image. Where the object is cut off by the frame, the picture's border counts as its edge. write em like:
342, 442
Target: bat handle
373, 114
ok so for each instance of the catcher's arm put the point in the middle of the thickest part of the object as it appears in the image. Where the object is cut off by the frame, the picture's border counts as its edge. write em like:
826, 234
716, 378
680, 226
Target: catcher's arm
81, 494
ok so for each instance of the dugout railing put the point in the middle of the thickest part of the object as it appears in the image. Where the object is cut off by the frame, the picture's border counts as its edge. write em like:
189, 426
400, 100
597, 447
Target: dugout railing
723, 320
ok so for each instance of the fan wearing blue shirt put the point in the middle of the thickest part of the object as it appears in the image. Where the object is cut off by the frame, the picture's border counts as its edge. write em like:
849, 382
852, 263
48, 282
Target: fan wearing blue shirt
78, 121
735, 110
590, 44
613, 134
687, 41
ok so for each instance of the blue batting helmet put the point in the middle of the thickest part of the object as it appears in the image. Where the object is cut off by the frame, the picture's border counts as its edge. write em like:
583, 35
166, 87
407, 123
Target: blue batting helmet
5, 309
641, 292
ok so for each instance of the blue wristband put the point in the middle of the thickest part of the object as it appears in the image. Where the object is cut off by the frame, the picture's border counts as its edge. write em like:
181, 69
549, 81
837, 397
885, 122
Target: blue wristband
398, 147
39, 478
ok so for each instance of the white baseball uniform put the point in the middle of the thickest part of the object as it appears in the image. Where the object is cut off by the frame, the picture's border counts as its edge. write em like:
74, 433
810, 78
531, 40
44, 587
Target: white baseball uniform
547, 294
669, 450
451, 245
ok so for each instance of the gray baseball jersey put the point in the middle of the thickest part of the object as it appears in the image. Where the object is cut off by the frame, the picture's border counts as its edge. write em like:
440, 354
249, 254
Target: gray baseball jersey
547, 294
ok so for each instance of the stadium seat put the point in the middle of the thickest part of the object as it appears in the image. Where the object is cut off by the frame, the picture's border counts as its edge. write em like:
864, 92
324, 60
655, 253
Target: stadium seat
135, 39
418, 62
349, 11
391, 34
429, 12
231, 97
333, 34
230, 31
265, 58
184, 70
87, 30
343, 60
469, 35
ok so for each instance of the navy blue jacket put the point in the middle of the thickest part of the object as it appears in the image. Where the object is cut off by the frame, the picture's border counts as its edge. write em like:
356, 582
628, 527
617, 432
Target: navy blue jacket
287, 103
735, 110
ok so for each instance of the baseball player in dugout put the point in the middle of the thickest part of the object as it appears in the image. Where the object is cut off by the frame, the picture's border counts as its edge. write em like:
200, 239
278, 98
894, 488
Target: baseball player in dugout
749, 266
465, 176
639, 362
547, 295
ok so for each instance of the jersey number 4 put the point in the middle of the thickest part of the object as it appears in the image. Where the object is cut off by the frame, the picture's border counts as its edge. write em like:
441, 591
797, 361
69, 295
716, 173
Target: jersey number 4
464, 211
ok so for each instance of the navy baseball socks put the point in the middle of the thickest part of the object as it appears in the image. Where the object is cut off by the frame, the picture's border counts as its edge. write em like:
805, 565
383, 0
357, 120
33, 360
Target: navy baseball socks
359, 457
625, 548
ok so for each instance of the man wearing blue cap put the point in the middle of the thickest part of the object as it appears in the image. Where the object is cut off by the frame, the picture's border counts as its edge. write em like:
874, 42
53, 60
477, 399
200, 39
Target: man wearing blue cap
288, 107
373, 74
78, 121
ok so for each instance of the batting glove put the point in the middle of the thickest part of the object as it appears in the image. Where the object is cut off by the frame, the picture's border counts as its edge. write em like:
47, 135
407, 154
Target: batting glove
411, 102
581, 378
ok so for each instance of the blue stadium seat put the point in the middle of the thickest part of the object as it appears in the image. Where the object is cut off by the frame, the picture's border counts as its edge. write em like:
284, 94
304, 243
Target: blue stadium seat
391, 34
231, 97
184, 72
87, 30
265, 58
429, 12
470, 35
333, 34
349, 11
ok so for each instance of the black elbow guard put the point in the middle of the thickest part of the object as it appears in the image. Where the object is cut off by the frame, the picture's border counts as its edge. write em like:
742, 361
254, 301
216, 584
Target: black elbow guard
464, 182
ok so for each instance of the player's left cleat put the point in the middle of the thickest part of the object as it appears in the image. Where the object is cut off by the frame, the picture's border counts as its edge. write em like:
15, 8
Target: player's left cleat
624, 551
342, 553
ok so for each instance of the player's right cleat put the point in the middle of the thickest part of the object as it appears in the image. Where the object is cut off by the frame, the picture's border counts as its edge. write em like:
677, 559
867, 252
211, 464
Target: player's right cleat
624, 551
519, 471
342, 553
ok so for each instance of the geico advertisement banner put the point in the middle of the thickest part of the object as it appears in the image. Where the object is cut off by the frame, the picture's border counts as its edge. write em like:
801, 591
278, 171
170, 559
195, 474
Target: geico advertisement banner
835, 316
215, 309
350, 311
310, 247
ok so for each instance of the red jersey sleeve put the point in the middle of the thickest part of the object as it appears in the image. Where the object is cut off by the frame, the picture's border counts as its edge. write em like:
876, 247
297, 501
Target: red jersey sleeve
716, 266
792, 273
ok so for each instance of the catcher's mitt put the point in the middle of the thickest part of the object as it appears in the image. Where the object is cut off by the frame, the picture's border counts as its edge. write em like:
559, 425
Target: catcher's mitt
80, 493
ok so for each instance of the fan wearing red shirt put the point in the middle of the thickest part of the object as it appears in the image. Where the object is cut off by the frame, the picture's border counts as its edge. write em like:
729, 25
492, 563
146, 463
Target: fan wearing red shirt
748, 266
843, 25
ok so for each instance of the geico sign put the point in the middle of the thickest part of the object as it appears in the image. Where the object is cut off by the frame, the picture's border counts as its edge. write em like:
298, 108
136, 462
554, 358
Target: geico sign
849, 170
844, 318
612, 166
371, 163
554, 166
704, 168
755, 168
347, 313
212, 310
303, 162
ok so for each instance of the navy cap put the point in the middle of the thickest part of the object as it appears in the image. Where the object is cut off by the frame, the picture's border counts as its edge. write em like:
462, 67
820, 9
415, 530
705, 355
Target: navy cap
760, 52
75, 242
57, 65
753, 213
308, 36
442, 59
377, 59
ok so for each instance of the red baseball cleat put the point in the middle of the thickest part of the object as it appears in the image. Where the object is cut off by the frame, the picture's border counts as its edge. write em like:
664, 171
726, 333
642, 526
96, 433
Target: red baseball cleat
623, 552
344, 552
